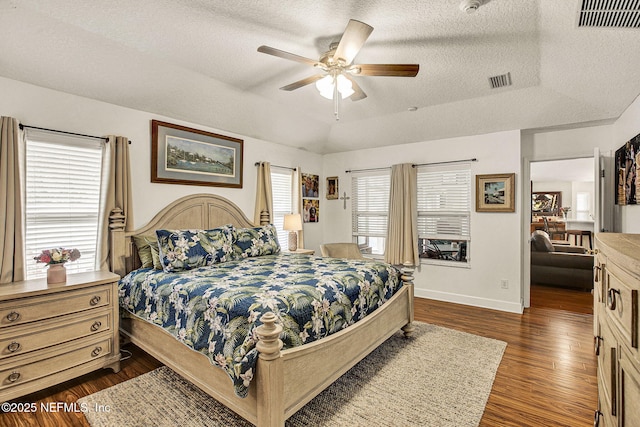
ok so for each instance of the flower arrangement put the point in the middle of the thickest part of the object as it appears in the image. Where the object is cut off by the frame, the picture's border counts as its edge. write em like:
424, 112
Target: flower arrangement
57, 256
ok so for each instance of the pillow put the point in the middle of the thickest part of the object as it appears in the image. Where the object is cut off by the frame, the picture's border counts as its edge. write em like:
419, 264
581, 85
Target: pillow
256, 241
541, 241
148, 251
189, 249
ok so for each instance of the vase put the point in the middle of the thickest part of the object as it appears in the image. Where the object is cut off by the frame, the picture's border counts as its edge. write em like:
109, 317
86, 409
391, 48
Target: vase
57, 273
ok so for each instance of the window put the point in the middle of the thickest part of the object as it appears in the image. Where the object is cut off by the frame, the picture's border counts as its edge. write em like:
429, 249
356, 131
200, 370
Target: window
583, 206
62, 186
444, 210
370, 210
282, 192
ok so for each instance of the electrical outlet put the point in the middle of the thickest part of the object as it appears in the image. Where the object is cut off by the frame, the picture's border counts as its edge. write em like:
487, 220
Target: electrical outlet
504, 284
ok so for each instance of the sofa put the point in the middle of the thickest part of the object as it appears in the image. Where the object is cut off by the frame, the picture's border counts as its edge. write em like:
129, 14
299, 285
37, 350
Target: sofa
560, 265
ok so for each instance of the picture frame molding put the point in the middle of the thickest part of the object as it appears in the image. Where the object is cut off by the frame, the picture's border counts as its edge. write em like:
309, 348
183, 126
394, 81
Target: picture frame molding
159, 174
509, 188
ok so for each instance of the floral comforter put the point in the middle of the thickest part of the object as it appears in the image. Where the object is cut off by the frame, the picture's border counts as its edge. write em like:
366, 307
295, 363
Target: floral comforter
215, 309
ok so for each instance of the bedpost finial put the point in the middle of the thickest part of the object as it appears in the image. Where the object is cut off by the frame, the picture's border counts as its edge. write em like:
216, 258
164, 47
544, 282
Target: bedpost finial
116, 219
269, 343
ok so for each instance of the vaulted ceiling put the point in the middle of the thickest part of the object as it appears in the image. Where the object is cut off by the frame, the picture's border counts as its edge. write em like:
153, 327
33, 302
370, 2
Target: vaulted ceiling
197, 60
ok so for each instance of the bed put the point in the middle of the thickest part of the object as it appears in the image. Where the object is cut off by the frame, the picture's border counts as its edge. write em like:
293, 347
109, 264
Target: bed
284, 379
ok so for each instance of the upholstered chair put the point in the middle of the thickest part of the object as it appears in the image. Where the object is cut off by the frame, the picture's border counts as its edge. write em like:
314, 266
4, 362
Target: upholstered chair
341, 250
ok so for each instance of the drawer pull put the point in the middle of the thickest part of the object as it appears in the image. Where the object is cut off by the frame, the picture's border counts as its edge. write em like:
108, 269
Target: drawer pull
96, 351
611, 298
95, 300
596, 418
15, 376
13, 316
596, 342
13, 347
96, 325
596, 269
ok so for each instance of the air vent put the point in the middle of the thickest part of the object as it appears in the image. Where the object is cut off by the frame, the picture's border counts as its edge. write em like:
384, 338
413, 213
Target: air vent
500, 81
609, 14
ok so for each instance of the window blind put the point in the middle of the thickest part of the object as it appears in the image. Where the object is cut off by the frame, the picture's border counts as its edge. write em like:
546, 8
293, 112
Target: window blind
444, 202
370, 204
62, 200
282, 192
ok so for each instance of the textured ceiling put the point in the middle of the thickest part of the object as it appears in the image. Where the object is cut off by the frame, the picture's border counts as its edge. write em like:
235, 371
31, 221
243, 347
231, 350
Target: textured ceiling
196, 60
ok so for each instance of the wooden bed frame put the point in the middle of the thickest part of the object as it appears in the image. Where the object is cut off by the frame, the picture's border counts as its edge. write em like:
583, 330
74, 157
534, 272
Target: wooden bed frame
284, 381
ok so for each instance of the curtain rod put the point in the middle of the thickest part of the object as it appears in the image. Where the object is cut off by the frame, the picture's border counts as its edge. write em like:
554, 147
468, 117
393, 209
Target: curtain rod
421, 164
65, 132
276, 166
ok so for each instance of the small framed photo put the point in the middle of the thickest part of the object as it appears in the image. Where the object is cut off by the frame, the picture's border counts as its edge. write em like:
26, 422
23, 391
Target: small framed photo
495, 193
182, 155
332, 188
310, 185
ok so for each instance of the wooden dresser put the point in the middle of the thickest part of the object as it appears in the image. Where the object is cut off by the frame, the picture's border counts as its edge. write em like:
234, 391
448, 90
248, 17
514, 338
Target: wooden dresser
616, 320
52, 333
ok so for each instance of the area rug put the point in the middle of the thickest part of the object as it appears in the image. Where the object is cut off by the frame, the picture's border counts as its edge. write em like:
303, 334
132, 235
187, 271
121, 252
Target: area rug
439, 378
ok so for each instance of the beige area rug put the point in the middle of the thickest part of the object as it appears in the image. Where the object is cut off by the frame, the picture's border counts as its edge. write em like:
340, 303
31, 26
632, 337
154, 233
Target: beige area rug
439, 378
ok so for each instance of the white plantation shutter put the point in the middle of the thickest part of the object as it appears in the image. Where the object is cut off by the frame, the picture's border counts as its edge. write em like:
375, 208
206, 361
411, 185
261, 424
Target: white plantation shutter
282, 191
370, 204
444, 202
62, 197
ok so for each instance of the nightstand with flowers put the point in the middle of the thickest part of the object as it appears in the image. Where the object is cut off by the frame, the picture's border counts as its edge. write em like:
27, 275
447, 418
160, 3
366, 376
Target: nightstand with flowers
57, 329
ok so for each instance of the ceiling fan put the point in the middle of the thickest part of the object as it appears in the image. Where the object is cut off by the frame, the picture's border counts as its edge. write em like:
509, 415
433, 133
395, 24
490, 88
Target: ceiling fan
336, 80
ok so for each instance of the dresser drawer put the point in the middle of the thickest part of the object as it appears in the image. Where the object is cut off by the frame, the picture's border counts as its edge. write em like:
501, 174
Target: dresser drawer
58, 359
29, 337
607, 352
622, 304
629, 390
30, 309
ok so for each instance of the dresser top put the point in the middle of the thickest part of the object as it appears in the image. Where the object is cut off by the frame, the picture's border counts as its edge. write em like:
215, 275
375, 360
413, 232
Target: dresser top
623, 249
41, 287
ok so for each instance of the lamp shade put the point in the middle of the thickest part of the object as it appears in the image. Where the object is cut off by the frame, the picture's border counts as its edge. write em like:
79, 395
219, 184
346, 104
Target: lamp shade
292, 222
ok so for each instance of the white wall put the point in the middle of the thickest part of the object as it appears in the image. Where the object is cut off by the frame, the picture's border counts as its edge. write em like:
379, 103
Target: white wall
495, 237
36, 106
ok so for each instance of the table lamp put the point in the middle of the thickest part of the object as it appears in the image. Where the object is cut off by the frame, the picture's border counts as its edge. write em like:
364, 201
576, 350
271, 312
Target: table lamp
293, 223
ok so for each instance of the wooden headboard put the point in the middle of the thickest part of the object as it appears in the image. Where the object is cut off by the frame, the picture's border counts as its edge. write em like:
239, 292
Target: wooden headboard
198, 211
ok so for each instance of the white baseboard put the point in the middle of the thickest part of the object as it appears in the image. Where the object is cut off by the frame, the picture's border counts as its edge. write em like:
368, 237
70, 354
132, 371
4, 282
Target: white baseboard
510, 307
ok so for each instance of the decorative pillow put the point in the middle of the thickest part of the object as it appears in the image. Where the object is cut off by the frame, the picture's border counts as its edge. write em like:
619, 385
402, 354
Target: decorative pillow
148, 251
189, 249
541, 241
256, 241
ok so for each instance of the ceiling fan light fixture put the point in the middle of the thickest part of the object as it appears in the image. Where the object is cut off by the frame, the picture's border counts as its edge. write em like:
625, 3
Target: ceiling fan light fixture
326, 86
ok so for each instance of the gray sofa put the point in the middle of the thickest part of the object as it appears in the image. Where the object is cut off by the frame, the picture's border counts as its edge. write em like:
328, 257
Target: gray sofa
560, 265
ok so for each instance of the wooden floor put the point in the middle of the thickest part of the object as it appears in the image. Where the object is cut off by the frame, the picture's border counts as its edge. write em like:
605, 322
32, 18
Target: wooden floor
547, 376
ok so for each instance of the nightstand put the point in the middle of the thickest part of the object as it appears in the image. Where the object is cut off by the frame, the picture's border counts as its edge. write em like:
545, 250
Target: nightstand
301, 251
53, 333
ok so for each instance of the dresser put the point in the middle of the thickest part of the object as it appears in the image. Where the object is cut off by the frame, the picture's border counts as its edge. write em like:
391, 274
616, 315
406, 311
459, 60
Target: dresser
616, 321
52, 333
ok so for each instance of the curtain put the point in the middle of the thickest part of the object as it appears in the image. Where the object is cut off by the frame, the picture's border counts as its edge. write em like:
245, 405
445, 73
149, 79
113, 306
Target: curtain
402, 230
264, 196
116, 194
297, 197
11, 226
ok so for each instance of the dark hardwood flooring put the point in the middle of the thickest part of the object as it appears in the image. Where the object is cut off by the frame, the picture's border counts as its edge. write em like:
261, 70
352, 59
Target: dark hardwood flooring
547, 376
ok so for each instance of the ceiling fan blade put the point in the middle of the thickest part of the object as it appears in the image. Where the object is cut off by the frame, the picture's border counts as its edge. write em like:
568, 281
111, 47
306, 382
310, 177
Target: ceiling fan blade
393, 70
358, 93
301, 83
286, 55
352, 40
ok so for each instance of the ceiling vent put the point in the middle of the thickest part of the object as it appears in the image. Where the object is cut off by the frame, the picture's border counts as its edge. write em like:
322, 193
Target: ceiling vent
500, 81
609, 14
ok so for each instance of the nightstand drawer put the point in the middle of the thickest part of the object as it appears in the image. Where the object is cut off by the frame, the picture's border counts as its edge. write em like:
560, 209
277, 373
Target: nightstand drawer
15, 312
622, 303
25, 338
58, 359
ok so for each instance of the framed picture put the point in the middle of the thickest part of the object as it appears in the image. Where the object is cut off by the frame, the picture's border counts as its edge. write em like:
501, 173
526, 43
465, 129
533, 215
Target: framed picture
181, 155
310, 185
332, 188
546, 203
495, 193
311, 210
627, 184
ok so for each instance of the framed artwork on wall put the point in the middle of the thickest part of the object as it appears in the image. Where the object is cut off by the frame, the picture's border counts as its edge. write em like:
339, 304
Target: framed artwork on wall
332, 188
495, 193
627, 160
310, 185
546, 203
182, 155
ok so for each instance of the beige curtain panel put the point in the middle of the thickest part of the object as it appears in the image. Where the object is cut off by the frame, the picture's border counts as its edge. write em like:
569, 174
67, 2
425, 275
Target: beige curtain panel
116, 180
297, 192
264, 196
11, 227
402, 231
